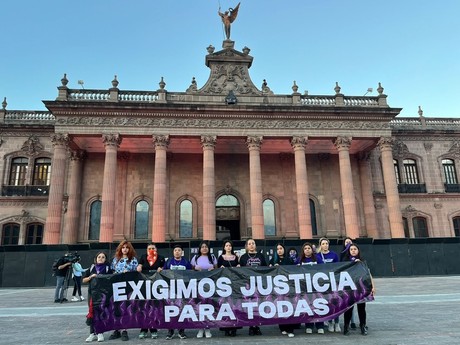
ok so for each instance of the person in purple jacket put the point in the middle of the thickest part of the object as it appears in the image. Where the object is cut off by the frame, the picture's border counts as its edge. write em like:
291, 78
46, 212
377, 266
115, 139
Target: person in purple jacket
328, 256
309, 257
177, 263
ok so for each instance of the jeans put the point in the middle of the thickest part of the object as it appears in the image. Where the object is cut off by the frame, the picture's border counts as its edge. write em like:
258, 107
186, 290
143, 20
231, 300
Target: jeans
59, 292
77, 286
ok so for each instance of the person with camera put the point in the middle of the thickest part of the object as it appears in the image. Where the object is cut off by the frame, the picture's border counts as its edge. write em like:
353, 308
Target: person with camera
63, 265
77, 275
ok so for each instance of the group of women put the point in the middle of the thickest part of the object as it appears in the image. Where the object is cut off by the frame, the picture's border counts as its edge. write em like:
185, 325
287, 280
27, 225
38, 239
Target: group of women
125, 261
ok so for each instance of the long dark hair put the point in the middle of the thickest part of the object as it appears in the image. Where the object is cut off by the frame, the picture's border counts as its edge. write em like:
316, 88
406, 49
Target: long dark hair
302, 254
275, 255
209, 255
223, 247
348, 255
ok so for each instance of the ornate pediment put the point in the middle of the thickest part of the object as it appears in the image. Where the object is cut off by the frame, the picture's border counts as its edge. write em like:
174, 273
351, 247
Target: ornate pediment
32, 146
229, 73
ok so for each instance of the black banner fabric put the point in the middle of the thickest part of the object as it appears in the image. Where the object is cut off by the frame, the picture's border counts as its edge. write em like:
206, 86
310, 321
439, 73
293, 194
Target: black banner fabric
228, 297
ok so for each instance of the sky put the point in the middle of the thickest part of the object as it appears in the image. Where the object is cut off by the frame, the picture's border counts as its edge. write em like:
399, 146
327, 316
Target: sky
411, 47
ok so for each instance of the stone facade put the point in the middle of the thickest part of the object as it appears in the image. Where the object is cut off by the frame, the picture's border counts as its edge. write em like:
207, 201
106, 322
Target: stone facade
224, 160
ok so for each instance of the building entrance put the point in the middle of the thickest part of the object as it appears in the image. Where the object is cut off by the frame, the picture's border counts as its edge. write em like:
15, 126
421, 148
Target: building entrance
228, 230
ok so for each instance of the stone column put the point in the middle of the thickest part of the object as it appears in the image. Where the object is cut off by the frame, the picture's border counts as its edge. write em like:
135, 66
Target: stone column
111, 143
301, 179
255, 181
70, 232
56, 196
161, 143
346, 181
209, 188
365, 177
391, 188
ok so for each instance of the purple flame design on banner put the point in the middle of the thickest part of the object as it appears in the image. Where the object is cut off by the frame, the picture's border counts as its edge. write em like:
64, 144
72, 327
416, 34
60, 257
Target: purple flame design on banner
110, 314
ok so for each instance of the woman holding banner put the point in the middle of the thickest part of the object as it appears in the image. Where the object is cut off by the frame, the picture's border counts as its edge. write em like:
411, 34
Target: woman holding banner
177, 263
150, 263
228, 258
309, 257
354, 255
252, 259
280, 258
124, 261
204, 261
100, 266
328, 256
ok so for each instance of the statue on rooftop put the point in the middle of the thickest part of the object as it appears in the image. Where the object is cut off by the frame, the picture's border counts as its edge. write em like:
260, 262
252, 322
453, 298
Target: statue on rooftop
228, 17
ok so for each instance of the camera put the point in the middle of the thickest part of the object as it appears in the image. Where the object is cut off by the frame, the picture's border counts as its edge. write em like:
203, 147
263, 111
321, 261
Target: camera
71, 257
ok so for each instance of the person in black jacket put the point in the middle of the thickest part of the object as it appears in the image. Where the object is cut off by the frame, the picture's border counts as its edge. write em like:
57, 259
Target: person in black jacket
280, 258
150, 263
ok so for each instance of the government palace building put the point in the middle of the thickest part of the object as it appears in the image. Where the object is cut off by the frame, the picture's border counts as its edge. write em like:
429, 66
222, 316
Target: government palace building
226, 159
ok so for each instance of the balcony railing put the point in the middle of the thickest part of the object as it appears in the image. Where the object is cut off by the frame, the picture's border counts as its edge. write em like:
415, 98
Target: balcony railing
412, 188
25, 190
452, 188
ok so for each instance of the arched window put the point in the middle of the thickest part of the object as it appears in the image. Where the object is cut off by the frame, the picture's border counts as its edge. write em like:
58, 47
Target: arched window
94, 220
18, 171
410, 171
186, 219
456, 222
450, 174
42, 172
420, 227
141, 226
269, 218
227, 200
10, 234
397, 174
34, 234
314, 226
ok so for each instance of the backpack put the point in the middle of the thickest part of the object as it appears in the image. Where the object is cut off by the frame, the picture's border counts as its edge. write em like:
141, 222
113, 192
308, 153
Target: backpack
54, 267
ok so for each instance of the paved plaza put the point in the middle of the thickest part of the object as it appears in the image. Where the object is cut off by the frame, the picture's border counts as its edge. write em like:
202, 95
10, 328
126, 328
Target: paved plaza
414, 310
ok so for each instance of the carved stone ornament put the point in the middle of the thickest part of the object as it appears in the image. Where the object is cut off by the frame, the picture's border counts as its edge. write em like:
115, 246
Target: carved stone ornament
160, 141
400, 149
299, 142
32, 146
111, 139
188, 121
437, 205
410, 209
254, 142
342, 142
60, 139
386, 143
208, 141
428, 146
455, 150
77, 155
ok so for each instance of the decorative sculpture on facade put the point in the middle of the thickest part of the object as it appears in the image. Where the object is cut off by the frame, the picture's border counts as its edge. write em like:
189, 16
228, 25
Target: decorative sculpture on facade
228, 17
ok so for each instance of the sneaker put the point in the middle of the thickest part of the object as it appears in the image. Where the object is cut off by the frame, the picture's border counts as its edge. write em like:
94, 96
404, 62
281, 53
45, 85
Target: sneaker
308, 331
182, 335
353, 325
330, 327
363, 329
100, 337
337, 328
207, 333
170, 335
142, 335
115, 335
82, 298
291, 335
154, 335
92, 337
321, 331
124, 336
284, 333
57, 301
257, 331
74, 299
251, 331
200, 334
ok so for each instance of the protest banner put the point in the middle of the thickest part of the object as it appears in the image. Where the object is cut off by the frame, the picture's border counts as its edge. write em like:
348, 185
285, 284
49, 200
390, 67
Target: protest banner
228, 297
